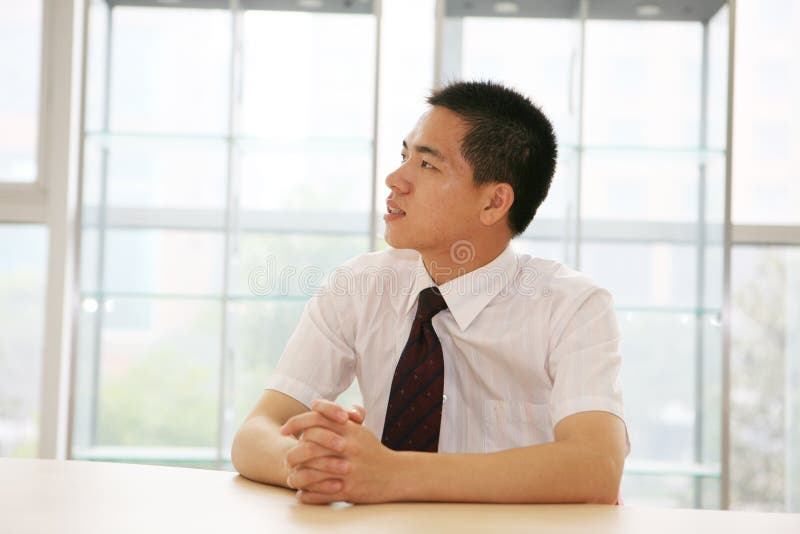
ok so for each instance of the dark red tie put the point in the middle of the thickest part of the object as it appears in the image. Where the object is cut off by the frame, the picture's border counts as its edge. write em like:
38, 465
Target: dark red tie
414, 413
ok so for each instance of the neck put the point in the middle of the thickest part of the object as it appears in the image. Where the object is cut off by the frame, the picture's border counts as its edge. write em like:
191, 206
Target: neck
460, 258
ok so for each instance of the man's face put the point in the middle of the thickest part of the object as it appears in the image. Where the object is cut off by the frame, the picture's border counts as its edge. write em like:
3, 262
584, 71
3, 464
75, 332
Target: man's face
434, 187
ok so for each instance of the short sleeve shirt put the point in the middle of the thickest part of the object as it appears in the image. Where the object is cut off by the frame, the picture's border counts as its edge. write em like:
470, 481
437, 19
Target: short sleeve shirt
526, 342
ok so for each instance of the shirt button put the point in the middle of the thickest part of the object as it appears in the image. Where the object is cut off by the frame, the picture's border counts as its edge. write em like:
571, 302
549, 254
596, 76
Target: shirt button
444, 399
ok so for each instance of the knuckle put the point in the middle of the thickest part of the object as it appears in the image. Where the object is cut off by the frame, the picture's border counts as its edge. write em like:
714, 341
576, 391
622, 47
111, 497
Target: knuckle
313, 434
301, 478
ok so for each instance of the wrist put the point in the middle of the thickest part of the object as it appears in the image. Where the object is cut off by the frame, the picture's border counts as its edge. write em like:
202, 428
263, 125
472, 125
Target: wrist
406, 475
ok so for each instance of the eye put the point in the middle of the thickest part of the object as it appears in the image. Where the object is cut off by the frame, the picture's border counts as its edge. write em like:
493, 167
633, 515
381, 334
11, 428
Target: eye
403, 157
426, 165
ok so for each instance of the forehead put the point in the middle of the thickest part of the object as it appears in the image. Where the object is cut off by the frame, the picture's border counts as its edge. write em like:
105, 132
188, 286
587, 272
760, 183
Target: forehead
440, 129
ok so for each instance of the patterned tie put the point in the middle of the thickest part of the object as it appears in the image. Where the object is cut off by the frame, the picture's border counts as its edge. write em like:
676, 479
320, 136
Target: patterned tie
414, 413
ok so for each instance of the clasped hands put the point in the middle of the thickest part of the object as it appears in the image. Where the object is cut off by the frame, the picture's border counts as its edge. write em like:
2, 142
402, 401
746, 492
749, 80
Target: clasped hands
336, 458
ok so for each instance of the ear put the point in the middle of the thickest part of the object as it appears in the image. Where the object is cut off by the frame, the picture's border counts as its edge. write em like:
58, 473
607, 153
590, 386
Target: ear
499, 197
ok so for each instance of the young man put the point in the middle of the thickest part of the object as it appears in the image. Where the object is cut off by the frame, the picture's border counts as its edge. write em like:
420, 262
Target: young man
508, 364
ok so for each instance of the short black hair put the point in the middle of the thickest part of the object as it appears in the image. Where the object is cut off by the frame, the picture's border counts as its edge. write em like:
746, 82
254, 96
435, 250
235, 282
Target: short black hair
509, 140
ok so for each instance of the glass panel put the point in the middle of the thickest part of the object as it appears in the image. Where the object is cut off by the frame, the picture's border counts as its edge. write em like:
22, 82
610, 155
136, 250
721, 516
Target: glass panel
537, 56
658, 490
159, 372
402, 90
643, 95
156, 211
330, 61
765, 366
766, 113
89, 251
86, 375
644, 274
23, 277
286, 265
327, 176
711, 424
150, 46
644, 185
717, 91
550, 249
658, 378
307, 145
259, 332
540, 57
20, 43
164, 262
96, 51
157, 171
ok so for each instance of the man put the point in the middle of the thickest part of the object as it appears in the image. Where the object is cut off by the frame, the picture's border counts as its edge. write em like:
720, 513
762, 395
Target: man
487, 376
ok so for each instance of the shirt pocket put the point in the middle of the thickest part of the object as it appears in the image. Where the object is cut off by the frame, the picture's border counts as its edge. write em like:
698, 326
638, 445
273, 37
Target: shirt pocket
509, 424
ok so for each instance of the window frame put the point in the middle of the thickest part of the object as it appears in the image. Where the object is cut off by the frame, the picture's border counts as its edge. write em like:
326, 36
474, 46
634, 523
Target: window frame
51, 201
26, 202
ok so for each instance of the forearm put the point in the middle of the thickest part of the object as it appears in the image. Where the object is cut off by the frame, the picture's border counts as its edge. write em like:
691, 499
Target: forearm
558, 472
259, 450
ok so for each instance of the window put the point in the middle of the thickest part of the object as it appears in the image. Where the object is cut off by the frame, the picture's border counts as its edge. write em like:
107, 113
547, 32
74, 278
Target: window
767, 126
765, 363
23, 237
20, 36
23, 258
636, 203
257, 158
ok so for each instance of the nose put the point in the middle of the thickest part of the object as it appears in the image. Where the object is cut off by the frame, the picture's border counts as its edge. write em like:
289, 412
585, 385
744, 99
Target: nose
396, 180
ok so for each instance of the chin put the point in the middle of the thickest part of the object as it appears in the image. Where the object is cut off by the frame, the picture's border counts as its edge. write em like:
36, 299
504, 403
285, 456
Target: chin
395, 241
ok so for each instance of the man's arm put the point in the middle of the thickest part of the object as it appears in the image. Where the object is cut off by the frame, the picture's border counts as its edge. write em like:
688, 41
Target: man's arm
259, 449
584, 464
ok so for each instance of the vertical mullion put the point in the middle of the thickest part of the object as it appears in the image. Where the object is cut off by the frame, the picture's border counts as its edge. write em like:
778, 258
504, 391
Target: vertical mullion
584, 15
699, 420
102, 209
373, 210
231, 211
726, 275
791, 383
78, 233
438, 25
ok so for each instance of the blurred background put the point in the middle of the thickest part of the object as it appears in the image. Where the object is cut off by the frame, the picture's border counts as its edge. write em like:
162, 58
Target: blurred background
155, 155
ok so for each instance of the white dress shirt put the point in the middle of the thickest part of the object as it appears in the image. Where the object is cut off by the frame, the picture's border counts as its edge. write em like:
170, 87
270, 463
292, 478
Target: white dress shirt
526, 342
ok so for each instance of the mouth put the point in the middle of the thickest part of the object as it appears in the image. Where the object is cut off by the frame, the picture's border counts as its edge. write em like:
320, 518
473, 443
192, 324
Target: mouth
393, 213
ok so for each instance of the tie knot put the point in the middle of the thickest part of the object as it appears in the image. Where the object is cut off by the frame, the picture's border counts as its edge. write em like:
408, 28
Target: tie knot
431, 302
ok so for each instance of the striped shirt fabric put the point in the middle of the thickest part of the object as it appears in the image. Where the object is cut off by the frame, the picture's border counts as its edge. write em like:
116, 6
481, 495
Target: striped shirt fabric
526, 342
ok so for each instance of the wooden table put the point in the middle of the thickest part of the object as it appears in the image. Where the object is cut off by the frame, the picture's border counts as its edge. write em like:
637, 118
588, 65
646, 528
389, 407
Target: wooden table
46, 496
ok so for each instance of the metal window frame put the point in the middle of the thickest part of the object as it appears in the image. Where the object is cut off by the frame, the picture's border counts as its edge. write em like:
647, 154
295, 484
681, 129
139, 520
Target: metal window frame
696, 232
61, 151
227, 221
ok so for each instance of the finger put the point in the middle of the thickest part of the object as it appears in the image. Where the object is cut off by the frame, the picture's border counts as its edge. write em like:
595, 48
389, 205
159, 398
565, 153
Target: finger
328, 464
305, 451
299, 423
325, 438
328, 486
312, 497
357, 414
329, 409
303, 478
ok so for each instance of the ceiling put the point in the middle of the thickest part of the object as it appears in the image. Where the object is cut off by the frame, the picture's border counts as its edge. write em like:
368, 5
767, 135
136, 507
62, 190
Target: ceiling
675, 10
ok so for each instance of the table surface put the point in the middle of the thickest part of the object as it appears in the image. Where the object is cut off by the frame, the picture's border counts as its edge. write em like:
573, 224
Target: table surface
49, 496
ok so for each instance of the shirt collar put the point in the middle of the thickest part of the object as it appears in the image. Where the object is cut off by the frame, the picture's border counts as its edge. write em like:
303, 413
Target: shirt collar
468, 294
